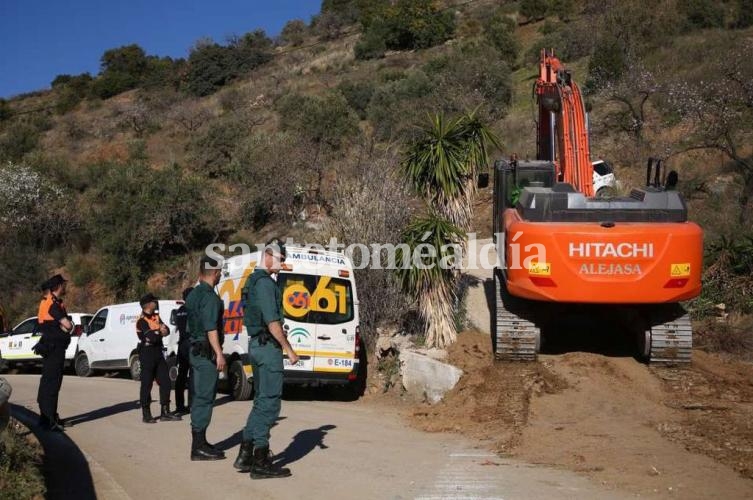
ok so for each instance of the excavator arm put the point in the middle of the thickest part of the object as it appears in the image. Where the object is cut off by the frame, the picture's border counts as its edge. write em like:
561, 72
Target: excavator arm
562, 131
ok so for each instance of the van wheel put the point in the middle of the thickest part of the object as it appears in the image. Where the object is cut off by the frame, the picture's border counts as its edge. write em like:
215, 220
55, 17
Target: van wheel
81, 365
240, 388
135, 367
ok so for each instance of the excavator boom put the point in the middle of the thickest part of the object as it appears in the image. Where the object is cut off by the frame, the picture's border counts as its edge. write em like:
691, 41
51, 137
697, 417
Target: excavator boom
563, 124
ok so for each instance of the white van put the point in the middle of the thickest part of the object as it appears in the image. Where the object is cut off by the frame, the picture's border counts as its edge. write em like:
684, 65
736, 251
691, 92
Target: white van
109, 341
16, 347
320, 305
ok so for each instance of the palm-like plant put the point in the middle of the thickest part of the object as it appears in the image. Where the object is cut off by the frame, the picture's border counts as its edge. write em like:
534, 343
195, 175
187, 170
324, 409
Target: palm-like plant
430, 278
442, 165
443, 162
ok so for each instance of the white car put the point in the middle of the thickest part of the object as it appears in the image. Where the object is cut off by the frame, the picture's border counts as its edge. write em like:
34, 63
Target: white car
605, 183
16, 347
109, 341
320, 305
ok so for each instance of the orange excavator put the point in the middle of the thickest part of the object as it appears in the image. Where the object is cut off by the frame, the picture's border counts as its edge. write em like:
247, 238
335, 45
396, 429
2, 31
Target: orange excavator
561, 249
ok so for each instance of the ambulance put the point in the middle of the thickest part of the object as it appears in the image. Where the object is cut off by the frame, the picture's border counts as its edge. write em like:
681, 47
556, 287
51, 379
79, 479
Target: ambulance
320, 307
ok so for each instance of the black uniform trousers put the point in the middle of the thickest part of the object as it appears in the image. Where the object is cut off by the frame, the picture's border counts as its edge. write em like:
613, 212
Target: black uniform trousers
53, 364
153, 365
183, 381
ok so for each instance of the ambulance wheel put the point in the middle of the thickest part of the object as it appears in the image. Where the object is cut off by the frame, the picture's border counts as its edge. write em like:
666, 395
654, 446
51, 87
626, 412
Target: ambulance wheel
81, 365
135, 366
240, 387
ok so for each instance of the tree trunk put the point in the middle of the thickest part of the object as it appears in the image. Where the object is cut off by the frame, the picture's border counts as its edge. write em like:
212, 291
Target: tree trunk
436, 310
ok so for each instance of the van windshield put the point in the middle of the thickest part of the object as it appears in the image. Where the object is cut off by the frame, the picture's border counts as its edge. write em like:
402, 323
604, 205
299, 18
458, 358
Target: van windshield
308, 298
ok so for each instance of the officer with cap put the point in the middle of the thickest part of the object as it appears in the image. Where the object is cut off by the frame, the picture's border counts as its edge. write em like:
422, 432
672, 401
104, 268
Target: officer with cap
184, 363
262, 316
150, 330
205, 322
55, 326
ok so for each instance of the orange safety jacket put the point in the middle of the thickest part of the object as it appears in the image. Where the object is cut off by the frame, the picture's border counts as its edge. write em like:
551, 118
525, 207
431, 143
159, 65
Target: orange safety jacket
47, 322
153, 324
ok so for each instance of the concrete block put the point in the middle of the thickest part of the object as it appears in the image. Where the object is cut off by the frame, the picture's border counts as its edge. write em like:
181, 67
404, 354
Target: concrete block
424, 377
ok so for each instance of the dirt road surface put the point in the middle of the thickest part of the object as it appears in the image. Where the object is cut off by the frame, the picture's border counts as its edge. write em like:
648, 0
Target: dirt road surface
335, 449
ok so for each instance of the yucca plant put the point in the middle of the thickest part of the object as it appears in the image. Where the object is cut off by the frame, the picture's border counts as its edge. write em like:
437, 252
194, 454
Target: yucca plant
444, 161
431, 276
442, 165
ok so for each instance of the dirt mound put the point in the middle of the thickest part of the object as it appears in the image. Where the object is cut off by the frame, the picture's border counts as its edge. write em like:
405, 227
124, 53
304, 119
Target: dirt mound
491, 401
651, 431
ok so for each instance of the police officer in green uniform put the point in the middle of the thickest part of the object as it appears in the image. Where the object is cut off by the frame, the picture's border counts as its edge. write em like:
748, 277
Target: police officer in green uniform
262, 316
205, 317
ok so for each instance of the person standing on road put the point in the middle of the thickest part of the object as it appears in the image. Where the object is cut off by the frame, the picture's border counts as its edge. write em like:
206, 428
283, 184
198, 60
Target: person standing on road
55, 326
205, 317
184, 363
150, 330
262, 316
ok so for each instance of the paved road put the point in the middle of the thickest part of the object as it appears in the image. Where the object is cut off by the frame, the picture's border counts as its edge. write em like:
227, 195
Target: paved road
335, 449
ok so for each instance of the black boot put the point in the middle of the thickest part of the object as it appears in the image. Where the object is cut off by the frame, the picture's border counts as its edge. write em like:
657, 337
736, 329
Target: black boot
200, 449
262, 466
146, 415
245, 457
166, 416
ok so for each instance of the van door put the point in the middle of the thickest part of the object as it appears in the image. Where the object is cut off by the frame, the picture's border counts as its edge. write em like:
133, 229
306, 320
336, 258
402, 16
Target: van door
333, 313
97, 338
297, 289
21, 340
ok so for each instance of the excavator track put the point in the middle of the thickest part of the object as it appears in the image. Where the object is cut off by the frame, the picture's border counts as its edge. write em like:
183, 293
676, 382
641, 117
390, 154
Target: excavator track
516, 338
670, 340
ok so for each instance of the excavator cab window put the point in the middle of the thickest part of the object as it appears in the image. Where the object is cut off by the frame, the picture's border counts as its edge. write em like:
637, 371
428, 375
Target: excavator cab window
514, 181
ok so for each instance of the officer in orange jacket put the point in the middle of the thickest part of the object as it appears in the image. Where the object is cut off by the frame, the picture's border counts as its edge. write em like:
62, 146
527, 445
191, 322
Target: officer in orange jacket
55, 327
150, 330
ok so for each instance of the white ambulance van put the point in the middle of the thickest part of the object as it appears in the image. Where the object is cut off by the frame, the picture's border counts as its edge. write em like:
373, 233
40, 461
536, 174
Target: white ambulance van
109, 341
320, 305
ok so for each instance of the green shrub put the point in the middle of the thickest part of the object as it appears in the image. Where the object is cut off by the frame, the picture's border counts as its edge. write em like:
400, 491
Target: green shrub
259, 161
371, 45
700, 14
122, 69
140, 216
563, 9
534, 9
323, 120
393, 104
211, 66
71, 90
5, 111
82, 270
744, 15
358, 95
607, 63
408, 24
294, 32
212, 151
501, 34
464, 79
18, 140
570, 43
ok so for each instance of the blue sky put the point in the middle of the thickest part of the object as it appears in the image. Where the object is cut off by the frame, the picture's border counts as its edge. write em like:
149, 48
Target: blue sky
40, 39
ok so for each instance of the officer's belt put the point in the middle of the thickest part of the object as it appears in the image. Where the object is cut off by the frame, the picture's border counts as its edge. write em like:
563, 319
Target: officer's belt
202, 348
